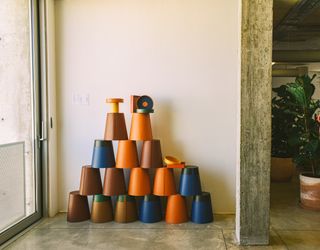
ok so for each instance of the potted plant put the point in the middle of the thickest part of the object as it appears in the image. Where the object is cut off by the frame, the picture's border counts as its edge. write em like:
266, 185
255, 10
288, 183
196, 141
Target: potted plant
282, 167
304, 138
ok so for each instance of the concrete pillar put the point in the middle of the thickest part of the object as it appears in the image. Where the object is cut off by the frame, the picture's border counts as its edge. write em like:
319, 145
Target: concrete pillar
253, 170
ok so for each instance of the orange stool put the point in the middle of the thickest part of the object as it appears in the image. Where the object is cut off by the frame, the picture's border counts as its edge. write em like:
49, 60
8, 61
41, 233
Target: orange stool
176, 209
139, 183
140, 127
127, 155
164, 184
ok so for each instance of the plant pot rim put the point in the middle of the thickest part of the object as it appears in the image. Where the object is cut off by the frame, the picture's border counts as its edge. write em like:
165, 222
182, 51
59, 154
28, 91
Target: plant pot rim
309, 175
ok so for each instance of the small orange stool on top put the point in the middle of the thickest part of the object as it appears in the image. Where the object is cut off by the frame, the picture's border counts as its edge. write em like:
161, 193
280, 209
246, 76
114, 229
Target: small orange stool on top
176, 209
164, 184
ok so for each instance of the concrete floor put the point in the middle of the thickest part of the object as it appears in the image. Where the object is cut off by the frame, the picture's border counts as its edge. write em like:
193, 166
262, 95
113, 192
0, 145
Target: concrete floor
291, 228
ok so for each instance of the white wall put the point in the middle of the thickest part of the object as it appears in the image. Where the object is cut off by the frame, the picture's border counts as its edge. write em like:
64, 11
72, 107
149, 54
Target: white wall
183, 53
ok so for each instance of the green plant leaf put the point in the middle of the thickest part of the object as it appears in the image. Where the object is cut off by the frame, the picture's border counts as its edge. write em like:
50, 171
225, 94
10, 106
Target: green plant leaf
297, 92
312, 146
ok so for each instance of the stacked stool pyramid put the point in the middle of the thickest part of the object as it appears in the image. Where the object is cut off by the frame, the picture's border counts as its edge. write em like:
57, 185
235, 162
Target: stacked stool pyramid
127, 209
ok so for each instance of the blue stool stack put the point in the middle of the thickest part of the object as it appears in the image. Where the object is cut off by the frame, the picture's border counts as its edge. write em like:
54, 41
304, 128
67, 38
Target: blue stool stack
190, 185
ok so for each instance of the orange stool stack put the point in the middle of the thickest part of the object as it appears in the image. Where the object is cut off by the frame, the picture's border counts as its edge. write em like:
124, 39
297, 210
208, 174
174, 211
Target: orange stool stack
140, 183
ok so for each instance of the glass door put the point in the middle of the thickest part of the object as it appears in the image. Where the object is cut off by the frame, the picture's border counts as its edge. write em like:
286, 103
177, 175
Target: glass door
20, 175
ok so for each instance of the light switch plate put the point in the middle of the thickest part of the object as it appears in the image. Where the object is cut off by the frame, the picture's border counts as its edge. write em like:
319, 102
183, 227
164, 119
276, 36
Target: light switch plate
80, 99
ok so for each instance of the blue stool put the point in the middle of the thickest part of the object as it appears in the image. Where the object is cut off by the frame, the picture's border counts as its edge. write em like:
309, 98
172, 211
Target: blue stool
190, 181
201, 211
150, 209
103, 156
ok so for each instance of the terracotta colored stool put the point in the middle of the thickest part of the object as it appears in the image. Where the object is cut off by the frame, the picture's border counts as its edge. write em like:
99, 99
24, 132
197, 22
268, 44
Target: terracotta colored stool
151, 156
139, 183
101, 209
190, 181
115, 127
164, 184
103, 156
78, 207
176, 209
140, 127
114, 183
126, 210
90, 182
127, 155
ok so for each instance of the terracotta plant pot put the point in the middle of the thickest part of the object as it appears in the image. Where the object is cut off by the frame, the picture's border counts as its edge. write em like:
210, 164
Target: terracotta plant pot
90, 182
126, 210
190, 181
201, 211
140, 127
176, 212
101, 209
151, 156
164, 184
115, 127
114, 182
139, 183
282, 169
310, 192
103, 155
78, 207
150, 209
127, 155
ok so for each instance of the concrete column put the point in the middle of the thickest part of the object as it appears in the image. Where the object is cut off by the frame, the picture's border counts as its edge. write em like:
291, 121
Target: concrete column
253, 170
